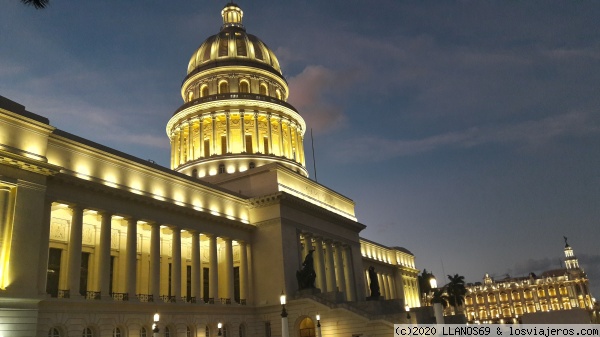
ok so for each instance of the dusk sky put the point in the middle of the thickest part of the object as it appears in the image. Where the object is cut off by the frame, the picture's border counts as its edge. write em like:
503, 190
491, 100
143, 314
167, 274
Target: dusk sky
466, 131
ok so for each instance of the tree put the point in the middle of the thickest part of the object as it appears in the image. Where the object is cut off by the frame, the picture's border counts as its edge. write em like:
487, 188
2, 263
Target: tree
38, 4
456, 291
440, 296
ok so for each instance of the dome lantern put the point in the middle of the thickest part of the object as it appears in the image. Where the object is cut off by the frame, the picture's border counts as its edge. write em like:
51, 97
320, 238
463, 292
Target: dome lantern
232, 16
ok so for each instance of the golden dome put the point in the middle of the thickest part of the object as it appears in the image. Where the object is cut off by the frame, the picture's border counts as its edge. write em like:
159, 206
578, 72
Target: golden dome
233, 44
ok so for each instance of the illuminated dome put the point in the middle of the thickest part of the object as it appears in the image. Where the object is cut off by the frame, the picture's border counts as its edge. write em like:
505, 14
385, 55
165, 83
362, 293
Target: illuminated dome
233, 44
235, 114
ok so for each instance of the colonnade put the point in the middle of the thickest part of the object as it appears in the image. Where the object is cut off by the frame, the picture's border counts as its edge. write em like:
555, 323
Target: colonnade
333, 264
241, 132
143, 260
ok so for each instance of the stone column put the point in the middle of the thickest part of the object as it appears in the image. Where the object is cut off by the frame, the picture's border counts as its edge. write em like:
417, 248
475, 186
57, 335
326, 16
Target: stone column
349, 273
131, 259
172, 140
176, 263
181, 145
213, 149
74, 264
281, 144
45, 242
213, 286
228, 132
176, 148
339, 268
104, 255
289, 139
256, 146
228, 269
331, 284
270, 150
190, 141
243, 272
320, 265
195, 266
307, 245
155, 262
382, 288
201, 136
242, 131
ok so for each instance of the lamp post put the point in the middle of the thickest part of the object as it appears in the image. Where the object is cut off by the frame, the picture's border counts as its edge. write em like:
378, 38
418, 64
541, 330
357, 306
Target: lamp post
155, 329
318, 325
407, 308
285, 332
220, 327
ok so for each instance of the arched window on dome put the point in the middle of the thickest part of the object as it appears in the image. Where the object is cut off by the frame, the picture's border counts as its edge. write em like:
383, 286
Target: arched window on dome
204, 90
190, 96
87, 332
244, 86
263, 89
278, 94
223, 87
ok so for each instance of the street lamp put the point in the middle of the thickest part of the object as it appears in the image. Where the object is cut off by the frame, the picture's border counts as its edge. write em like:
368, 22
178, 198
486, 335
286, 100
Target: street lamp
318, 325
220, 327
155, 329
284, 320
407, 308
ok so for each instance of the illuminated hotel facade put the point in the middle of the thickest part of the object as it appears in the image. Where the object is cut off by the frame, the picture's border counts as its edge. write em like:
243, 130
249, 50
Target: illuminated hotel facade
508, 299
95, 241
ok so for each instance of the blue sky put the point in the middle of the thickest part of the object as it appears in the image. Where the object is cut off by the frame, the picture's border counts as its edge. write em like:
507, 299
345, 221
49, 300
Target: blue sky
466, 131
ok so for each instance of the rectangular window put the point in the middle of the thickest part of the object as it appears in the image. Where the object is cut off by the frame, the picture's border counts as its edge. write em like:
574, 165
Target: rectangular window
188, 286
266, 145
83, 280
205, 283
53, 276
112, 275
170, 279
206, 148
249, 144
236, 284
223, 144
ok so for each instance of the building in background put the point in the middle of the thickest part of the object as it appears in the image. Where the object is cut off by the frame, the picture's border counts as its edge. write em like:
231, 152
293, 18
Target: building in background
513, 298
95, 241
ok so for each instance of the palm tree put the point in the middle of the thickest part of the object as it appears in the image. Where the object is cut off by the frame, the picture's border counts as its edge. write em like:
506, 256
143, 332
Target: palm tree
456, 291
36, 3
439, 296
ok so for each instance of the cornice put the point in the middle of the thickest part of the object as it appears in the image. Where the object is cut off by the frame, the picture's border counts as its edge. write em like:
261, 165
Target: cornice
28, 164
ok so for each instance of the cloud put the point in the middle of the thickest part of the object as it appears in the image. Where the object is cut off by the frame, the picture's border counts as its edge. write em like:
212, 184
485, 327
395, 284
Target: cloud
309, 92
527, 135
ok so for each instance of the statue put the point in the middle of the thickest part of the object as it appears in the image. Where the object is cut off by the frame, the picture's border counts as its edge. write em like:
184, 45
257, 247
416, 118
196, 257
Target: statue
374, 285
306, 276
566, 244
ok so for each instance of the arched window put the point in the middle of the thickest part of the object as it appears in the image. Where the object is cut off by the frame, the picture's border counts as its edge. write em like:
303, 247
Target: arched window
221, 168
307, 328
223, 87
87, 332
263, 89
204, 91
278, 94
188, 332
167, 332
194, 173
242, 330
53, 332
252, 165
143, 332
244, 86
190, 96
116, 332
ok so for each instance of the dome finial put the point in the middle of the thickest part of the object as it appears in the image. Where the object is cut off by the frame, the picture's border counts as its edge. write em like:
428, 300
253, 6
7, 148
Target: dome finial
232, 16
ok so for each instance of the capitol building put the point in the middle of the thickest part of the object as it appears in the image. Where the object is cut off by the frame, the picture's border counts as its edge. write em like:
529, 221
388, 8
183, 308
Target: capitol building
95, 242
